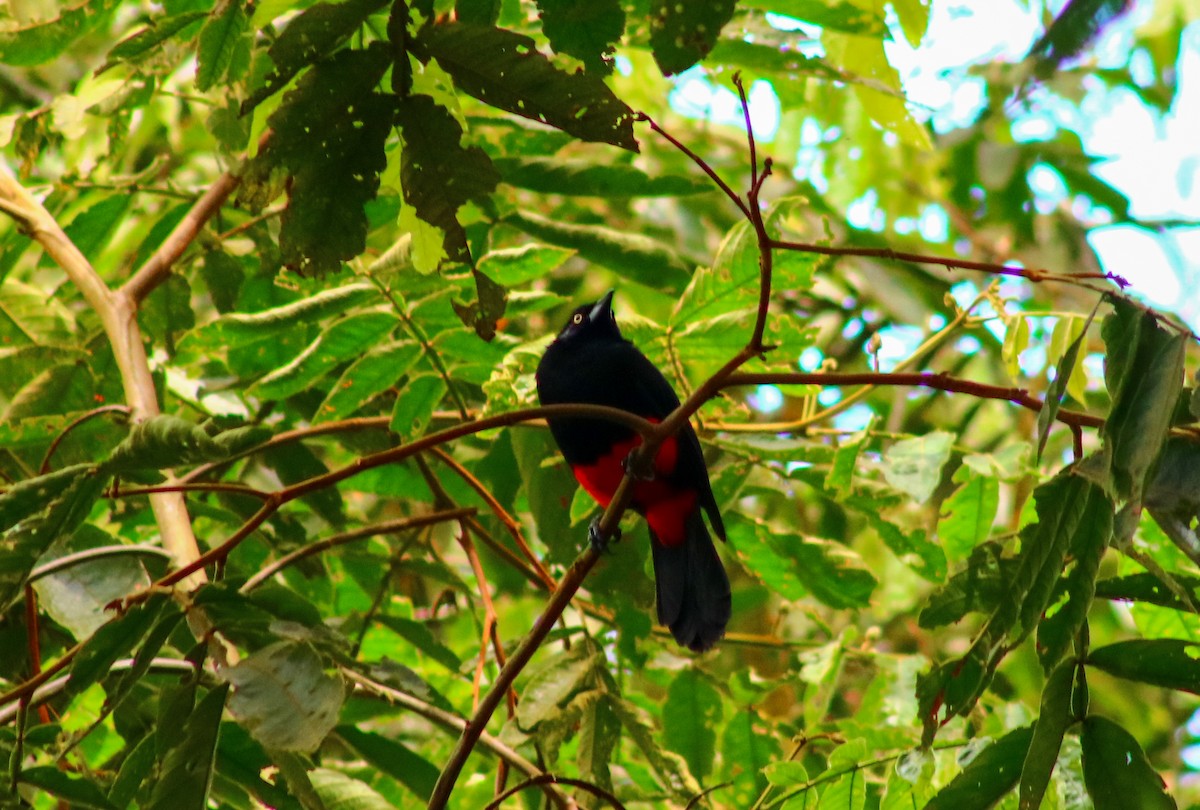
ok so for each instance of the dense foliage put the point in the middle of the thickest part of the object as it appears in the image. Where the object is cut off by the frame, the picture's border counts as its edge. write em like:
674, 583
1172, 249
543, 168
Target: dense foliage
277, 503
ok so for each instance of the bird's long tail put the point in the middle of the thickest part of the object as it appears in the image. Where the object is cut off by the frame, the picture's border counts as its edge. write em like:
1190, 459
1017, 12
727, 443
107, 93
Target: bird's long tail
693, 588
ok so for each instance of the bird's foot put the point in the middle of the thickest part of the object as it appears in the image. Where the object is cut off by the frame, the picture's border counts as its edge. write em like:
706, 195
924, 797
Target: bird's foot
598, 540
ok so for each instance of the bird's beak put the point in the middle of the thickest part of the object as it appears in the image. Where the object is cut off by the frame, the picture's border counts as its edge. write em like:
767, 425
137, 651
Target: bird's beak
602, 310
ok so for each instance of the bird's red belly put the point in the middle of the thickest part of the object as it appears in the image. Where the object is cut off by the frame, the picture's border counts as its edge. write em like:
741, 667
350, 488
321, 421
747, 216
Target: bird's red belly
666, 507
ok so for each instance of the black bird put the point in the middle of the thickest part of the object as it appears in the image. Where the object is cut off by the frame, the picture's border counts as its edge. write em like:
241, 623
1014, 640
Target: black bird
590, 363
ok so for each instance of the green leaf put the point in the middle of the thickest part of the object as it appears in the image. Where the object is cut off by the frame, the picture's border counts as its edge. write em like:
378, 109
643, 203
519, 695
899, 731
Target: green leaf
504, 69
187, 767
912, 548
914, 466
977, 588
147, 39
163, 441
794, 565
296, 462
418, 634
599, 732
1048, 731
282, 696
578, 178
341, 340
989, 776
394, 759
32, 495
510, 267
967, 515
552, 685
372, 374
1115, 769
634, 256
218, 42
74, 791
114, 640
1144, 374
329, 133
682, 33
1068, 366
747, 748
135, 769
309, 37
415, 405
690, 715
588, 31
1169, 663
38, 44
836, 16
1059, 628
243, 329
438, 175
338, 790
77, 597
1150, 589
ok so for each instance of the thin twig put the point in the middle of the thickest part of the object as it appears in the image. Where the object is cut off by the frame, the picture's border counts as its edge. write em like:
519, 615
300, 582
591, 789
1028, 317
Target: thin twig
79, 420
454, 723
374, 530
553, 779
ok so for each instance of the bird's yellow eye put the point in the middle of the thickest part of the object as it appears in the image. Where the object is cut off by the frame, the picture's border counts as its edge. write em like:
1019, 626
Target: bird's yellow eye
577, 318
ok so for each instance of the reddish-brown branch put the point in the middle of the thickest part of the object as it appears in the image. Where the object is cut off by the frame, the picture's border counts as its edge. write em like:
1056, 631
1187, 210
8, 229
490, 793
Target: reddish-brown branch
510, 522
942, 382
374, 530
699, 161
552, 779
949, 262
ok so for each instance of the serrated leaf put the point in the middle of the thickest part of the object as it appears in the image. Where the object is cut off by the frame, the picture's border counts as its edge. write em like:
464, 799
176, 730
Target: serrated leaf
341, 340
510, 267
367, 377
242, 329
587, 31
223, 275
296, 462
38, 44
550, 175
163, 441
599, 731
504, 69
989, 776
671, 769
311, 35
682, 33
187, 767
154, 34
393, 758
747, 748
329, 133
1053, 719
1169, 663
967, 515
1150, 589
911, 547
1115, 769
690, 715
284, 697
134, 770
217, 44
634, 256
914, 466
437, 173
